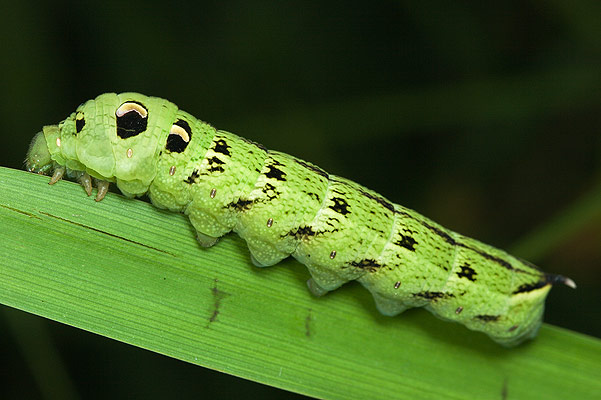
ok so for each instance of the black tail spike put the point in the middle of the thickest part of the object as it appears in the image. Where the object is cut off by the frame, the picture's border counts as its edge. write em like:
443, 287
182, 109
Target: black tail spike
555, 279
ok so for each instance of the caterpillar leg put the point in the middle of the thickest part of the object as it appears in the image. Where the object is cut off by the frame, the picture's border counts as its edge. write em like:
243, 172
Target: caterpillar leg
208, 230
315, 289
206, 240
323, 279
86, 181
263, 254
103, 188
57, 175
388, 307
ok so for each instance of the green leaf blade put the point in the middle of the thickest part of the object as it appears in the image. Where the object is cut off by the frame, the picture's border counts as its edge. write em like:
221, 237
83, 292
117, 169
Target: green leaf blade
123, 269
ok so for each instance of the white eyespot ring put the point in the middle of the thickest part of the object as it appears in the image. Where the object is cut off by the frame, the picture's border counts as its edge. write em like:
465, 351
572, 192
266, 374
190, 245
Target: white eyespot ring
181, 132
131, 106
130, 153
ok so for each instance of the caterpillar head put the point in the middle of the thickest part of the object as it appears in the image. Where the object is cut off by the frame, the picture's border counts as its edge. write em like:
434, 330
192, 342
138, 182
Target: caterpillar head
38, 157
113, 137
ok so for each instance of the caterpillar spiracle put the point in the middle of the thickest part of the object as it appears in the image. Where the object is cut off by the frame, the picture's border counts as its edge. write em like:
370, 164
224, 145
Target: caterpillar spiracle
283, 206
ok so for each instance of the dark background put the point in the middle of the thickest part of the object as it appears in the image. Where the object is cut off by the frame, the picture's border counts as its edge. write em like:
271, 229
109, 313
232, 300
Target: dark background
484, 117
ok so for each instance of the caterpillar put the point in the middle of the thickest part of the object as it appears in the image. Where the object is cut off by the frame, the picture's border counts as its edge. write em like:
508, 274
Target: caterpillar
283, 206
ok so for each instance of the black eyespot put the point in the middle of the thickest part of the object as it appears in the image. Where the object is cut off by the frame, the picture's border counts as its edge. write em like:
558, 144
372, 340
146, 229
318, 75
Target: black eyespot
179, 136
185, 125
132, 119
80, 122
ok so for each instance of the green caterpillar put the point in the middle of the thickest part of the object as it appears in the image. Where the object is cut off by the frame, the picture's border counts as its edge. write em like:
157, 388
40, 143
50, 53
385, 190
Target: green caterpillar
284, 206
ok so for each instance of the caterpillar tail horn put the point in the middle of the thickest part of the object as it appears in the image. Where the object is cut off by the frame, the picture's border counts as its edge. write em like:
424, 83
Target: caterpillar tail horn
555, 279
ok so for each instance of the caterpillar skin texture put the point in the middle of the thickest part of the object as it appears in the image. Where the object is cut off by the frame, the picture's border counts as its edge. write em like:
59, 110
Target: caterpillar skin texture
282, 206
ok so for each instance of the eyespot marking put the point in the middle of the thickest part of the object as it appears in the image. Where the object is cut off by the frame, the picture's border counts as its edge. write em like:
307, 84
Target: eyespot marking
179, 136
181, 132
131, 106
213, 193
132, 119
172, 170
458, 310
58, 142
80, 122
129, 153
397, 284
333, 254
270, 222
